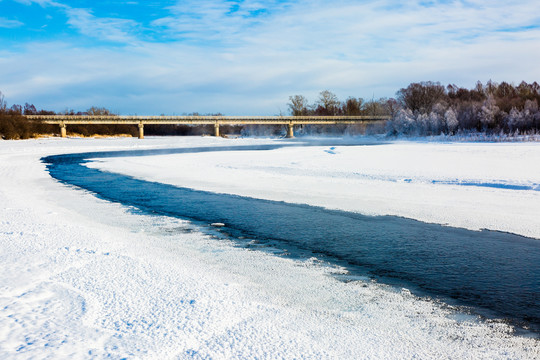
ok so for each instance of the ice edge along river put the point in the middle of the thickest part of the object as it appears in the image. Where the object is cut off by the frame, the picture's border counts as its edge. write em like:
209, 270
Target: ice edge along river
83, 278
410, 179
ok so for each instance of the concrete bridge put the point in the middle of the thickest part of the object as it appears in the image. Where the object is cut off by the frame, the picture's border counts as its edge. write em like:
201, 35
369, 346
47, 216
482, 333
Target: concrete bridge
140, 121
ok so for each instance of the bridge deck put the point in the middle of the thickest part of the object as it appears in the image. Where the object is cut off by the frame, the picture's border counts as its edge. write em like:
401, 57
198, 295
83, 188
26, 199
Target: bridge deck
203, 120
290, 121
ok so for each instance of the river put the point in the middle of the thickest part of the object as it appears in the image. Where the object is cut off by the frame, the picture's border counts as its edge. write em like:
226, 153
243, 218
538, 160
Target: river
490, 273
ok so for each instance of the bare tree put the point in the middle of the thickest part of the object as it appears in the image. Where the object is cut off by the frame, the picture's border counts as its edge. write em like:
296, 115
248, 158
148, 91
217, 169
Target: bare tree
29, 109
375, 107
16, 109
298, 105
98, 111
353, 106
421, 96
3, 104
328, 102
392, 107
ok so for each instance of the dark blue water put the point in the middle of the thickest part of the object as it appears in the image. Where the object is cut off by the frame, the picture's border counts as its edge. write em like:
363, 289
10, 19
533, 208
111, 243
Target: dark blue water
495, 185
492, 271
506, 186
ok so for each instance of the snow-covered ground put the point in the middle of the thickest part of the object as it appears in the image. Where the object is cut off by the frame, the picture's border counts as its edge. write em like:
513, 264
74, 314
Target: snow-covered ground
83, 278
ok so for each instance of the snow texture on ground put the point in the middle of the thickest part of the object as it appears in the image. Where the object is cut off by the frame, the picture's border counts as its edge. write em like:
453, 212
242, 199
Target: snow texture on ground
83, 278
422, 181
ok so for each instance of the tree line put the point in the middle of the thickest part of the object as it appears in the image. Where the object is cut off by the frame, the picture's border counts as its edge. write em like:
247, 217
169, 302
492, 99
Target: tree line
328, 104
429, 108
420, 109
13, 124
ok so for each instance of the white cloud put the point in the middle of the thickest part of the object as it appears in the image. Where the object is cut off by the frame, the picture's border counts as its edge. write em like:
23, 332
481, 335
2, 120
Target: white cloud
41, 3
206, 20
106, 29
239, 63
10, 24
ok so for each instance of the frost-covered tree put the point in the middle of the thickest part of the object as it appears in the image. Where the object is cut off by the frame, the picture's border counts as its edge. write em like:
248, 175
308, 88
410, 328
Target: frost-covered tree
451, 120
467, 115
533, 112
514, 119
436, 122
422, 124
531, 106
436, 119
491, 107
526, 119
488, 112
3, 104
98, 111
529, 113
402, 123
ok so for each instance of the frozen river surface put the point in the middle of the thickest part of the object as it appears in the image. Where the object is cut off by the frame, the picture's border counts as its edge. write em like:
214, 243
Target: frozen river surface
83, 277
494, 271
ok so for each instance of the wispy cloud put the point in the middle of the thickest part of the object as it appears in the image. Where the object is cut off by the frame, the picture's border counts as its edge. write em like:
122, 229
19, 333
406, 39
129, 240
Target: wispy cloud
216, 20
83, 20
41, 3
9, 24
105, 29
248, 56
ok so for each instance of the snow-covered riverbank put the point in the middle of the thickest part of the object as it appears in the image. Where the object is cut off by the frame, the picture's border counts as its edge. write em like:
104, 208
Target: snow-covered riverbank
82, 278
474, 186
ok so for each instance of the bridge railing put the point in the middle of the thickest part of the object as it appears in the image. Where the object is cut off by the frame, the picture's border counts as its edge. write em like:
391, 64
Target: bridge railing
141, 120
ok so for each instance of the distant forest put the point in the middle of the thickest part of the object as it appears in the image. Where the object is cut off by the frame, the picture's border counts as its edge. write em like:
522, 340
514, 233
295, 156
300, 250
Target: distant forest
420, 109
429, 108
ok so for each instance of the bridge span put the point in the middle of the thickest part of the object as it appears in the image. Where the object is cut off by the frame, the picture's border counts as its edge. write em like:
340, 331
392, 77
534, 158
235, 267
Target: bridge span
140, 121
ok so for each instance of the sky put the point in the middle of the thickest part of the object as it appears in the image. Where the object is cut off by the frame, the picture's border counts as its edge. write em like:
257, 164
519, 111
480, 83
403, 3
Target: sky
246, 57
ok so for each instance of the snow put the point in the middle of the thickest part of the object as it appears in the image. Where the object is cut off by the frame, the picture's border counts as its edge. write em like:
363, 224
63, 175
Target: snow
416, 180
84, 278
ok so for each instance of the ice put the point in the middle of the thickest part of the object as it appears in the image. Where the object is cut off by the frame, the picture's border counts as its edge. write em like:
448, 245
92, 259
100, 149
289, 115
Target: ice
84, 278
418, 180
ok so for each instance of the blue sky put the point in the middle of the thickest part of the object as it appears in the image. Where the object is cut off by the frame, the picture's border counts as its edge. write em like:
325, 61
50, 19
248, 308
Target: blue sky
247, 57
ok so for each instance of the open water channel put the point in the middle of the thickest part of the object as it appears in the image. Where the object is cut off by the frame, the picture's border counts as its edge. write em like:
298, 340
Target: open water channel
492, 273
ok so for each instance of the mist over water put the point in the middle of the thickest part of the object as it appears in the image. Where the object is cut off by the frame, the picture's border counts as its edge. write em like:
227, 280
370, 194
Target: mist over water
493, 271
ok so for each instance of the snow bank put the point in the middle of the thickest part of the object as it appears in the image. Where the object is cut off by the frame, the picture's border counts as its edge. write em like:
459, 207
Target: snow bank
84, 278
416, 180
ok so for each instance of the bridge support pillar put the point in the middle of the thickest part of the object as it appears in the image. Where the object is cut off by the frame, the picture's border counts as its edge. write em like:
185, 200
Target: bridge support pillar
290, 131
141, 131
63, 131
216, 129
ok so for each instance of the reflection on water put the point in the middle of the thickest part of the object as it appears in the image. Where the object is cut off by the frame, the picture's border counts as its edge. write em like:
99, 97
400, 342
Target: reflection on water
492, 270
